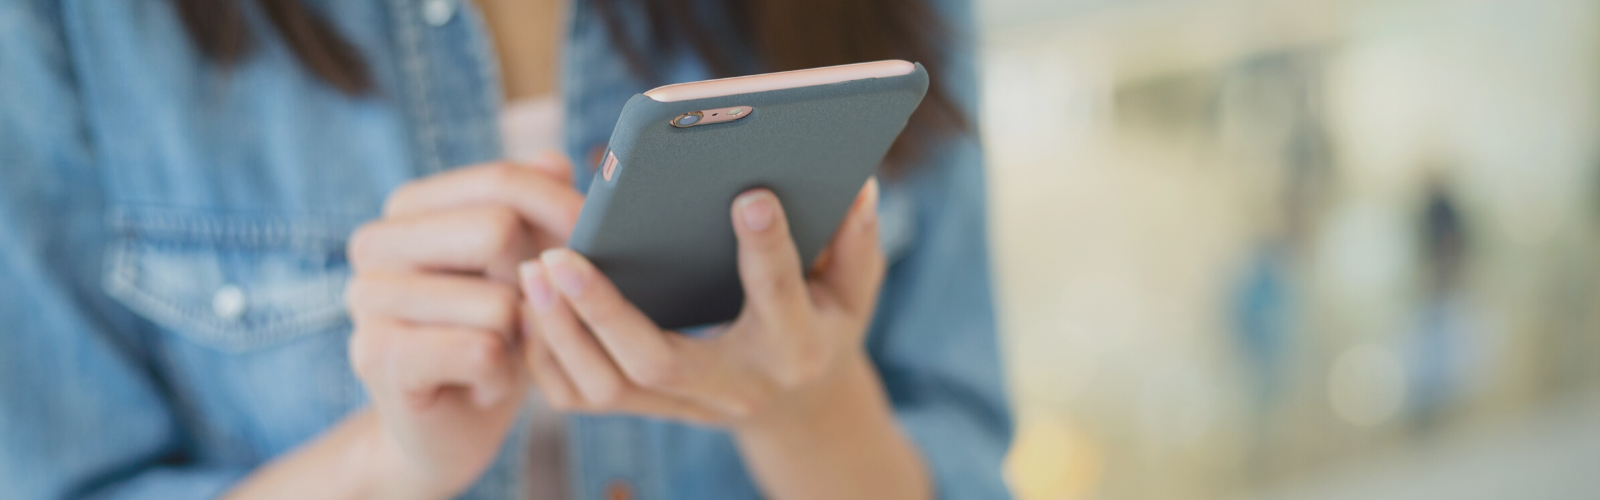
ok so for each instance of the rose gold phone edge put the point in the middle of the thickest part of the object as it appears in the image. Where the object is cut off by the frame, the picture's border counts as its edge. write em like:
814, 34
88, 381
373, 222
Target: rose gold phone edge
780, 81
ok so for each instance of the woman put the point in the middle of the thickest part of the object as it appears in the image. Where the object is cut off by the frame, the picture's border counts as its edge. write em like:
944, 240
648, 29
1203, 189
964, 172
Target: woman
267, 249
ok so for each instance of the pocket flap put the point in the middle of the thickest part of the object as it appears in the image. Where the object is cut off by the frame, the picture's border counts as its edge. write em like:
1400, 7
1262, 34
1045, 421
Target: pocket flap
231, 282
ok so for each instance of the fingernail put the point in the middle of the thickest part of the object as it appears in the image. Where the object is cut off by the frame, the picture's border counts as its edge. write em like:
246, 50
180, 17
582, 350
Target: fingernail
536, 286
871, 202
757, 210
563, 271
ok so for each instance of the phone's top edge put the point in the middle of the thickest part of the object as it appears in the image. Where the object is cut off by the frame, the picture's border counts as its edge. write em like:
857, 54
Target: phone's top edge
780, 81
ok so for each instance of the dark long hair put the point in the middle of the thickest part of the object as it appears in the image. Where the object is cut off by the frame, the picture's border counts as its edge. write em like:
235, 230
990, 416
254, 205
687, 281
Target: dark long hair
785, 35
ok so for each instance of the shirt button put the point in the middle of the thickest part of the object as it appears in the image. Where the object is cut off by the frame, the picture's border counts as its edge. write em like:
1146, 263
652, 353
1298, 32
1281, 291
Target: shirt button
619, 490
228, 302
438, 12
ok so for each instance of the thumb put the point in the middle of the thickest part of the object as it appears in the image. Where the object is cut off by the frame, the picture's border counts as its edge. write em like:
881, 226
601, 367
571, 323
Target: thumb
856, 264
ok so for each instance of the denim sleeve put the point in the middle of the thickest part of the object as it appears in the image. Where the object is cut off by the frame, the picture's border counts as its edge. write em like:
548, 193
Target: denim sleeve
81, 413
934, 336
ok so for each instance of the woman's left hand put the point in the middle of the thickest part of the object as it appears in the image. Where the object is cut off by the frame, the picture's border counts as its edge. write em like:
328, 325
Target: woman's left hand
593, 351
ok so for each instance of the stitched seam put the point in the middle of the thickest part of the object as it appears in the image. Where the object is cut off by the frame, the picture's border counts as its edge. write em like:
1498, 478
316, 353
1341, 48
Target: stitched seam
256, 235
415, 68
215, 231
489, 71
192, 323
195, 323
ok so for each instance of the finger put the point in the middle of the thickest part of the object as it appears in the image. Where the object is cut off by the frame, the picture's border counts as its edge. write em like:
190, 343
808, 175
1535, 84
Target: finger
480, 239
854, 272
659, 405
547, 374
553, 163
559, 392
823, 258
577, 352
646, 356
638, 347
418, 361
769, 264
435, 299
549, 203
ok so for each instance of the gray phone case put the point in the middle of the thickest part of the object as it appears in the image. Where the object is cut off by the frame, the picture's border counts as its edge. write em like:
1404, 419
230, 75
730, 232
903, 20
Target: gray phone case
661, 228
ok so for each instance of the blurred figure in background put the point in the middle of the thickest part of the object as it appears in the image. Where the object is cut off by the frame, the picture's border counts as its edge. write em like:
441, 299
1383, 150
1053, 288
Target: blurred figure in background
1365, 350
1277, 97
1447, 336
181, 186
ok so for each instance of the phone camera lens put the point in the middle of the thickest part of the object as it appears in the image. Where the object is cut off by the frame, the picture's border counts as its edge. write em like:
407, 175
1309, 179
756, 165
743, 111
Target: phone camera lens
686, 119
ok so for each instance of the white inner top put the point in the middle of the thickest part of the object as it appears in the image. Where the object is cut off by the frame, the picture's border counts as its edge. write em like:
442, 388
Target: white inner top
527, 128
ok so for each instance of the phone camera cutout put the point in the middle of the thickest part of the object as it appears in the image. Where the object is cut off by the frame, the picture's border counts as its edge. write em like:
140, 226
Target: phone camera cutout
687, 119
710, 116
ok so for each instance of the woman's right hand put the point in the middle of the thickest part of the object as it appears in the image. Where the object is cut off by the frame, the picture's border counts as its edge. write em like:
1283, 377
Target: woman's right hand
438, 321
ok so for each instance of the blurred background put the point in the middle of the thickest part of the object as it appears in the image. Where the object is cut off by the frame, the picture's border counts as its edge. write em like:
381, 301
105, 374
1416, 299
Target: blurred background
1298, 249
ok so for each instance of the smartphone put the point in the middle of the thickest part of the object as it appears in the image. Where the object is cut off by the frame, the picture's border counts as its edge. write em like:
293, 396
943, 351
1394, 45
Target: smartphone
657, 220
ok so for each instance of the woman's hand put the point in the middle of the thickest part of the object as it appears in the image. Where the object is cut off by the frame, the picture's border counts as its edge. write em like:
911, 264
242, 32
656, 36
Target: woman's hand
438, 321
790, 377
598, 353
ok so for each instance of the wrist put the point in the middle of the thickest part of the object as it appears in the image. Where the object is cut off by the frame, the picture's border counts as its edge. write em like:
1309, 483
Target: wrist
380, 466
812, 407
369, 458
838, 439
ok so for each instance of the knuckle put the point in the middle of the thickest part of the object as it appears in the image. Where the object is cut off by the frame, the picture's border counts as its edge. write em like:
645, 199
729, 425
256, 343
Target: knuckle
806, 362
807, 369
773, 242
399, 198
485, 352
503, 220
503, 229
607, 393
599, 309
502, 173
366, 353
739, 408
775, 284
559, 400
503, 306
360, 248
657, 372
788, 376
356, 294
362, 293
746, 407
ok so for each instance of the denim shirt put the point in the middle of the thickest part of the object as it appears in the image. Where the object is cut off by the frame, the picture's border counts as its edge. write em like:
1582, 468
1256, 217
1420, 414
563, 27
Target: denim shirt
172, 253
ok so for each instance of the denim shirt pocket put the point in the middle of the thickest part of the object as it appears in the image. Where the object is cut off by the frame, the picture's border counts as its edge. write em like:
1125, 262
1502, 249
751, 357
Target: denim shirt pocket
232, 282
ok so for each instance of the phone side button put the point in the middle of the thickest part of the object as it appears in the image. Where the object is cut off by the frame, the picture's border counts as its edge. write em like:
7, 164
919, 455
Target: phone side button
609, 168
